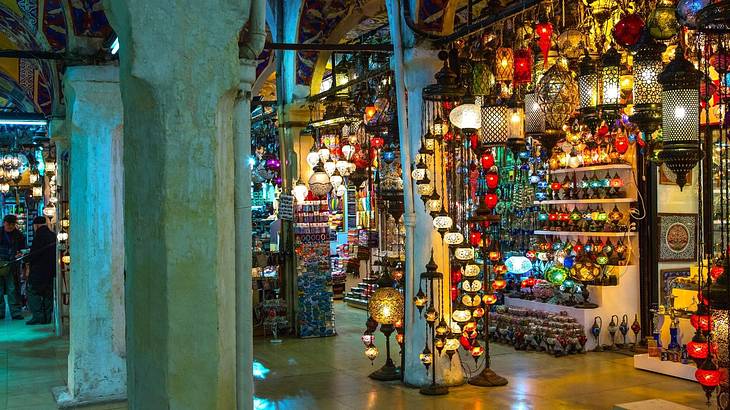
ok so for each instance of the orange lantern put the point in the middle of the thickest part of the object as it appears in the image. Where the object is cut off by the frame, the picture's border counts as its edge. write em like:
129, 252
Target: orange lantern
504, 61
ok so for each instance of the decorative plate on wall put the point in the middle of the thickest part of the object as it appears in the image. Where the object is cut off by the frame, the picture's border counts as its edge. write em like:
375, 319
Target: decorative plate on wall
677, 237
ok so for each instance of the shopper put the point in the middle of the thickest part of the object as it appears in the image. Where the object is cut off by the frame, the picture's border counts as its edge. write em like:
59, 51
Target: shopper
42, 270
12, 242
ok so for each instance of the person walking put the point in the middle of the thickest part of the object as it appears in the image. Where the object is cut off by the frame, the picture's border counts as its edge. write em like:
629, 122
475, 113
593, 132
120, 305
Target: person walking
12, 241
42, 269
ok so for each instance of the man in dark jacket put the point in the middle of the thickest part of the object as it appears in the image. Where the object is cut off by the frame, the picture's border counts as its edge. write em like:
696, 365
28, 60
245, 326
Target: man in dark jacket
42, 262
12, 242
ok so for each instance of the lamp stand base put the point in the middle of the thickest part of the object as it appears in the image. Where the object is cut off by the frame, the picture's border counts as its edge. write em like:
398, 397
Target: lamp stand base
434, 390
488, 378
386, 373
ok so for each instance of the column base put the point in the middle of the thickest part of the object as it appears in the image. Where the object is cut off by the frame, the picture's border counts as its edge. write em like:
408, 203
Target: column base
386, 373
434, 390
488, 378
64, 400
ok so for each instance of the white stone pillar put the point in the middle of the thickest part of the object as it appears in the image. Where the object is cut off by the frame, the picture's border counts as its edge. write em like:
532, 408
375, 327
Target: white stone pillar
58, 133
179, 76
96, 363
242, 218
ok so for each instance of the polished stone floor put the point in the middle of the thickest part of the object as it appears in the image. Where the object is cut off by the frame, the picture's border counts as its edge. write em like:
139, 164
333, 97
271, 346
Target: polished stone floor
332, 373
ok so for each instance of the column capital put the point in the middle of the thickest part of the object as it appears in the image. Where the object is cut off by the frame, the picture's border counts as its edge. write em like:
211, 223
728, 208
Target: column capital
246, 74
58, 131
420, 65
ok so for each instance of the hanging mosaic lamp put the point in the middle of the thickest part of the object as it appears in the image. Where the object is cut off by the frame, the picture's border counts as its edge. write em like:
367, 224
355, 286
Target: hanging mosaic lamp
544, 30
680, 82
611, 84
687, 11
523, 66
662, 22
647, 90
588, 90
447, 87
319, 182
504, 64
482, 78
627, 31
557, 94
467, 115
715, 17
534, 116
494, 123
516, 126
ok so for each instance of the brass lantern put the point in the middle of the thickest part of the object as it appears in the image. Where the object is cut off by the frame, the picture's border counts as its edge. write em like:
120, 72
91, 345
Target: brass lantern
504, 64
647, 90
516, 126
588, 90
534, 117
680, 82
557, 94
494, 126
611, 84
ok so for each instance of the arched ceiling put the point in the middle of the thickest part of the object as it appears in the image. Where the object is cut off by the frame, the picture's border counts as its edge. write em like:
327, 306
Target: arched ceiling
44, 25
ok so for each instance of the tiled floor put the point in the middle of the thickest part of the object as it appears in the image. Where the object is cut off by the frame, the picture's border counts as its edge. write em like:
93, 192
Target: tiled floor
32, 361
332, 373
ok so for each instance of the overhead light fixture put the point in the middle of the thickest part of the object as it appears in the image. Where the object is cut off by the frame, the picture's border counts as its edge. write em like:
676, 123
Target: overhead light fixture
115, 46
29, 119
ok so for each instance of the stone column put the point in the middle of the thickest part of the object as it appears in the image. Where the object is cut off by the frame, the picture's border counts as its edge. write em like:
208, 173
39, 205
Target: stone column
242, 203
179, 76
420, 65
96, 366
58, 133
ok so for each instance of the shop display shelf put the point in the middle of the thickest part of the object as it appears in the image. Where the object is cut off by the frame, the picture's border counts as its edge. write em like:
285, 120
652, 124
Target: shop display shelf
669, 368
586, 201
609, 167
586, 234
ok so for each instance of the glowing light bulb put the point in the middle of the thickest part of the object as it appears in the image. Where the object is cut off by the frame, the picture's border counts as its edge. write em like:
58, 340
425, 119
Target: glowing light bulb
680, 112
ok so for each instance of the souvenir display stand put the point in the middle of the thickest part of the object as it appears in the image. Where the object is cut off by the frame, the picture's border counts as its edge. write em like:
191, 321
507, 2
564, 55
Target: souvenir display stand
315, 315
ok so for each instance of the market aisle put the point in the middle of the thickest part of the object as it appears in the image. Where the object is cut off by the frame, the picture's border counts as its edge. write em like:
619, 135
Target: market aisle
32, 361
331, 373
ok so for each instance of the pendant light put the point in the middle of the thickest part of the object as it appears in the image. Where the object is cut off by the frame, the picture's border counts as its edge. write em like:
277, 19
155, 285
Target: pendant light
319, 182
611, 84
588, 90
494, 122
680, 82
647, 90
467, 116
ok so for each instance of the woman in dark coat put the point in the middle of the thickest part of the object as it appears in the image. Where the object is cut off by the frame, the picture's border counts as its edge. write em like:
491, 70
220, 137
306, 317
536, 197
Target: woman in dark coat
42, 261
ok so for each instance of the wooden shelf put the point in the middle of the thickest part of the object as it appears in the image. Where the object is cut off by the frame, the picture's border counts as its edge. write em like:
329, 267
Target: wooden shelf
586, 234
586, 201
609, 167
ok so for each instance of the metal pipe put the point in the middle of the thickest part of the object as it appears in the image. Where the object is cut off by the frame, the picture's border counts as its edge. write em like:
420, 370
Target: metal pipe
484, 23
37, 55
251, 48
340, 48
356, 81
409, 217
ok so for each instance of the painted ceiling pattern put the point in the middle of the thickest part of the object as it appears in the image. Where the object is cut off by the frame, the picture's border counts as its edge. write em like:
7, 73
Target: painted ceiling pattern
41, 25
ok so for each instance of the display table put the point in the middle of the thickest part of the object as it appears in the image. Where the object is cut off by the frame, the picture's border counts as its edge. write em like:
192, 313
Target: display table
669, 368
619, 300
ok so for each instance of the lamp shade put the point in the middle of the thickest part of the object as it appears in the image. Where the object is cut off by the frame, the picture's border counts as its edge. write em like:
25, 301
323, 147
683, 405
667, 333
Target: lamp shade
588, 85
313, 158
534, 117
494, 123
300, 192
557, 94
466, 116
611, 78
319, 182
647, 67
680, 83
386, 305
504, 64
